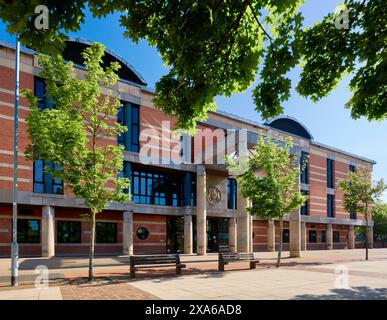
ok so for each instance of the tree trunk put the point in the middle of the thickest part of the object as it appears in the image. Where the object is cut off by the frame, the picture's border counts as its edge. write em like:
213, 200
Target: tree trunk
280, 242
366, 237
91, 251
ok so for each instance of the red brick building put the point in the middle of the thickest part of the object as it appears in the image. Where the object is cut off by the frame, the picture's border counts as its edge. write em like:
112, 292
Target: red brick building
180, 201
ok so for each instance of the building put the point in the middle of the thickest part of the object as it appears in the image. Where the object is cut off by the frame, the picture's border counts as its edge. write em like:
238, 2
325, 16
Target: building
180, 203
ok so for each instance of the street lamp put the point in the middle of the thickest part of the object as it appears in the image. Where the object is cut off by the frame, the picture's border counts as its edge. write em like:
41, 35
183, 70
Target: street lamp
15, 248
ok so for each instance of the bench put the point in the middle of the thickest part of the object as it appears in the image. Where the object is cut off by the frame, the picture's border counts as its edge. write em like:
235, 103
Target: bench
227, 257
165, 260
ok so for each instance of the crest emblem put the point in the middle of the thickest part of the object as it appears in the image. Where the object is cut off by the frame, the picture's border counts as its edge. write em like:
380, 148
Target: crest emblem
214, 195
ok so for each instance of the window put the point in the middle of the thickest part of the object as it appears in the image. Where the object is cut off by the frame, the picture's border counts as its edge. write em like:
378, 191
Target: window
312, 236
330, 173
285, 235
163, 188
231, 193
304, 210
352, 168
330, 205
40, 93
121, 121
43, 181
28, 231
304, 167
142, 233
336, 236
135, 129
353, 215
129, 113
106, 232
323, 236
68, 231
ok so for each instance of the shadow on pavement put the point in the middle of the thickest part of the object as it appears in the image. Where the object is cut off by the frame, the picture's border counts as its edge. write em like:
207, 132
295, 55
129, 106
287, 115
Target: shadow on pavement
354, 293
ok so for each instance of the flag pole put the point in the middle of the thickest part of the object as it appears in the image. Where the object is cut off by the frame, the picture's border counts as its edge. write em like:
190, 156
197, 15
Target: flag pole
15, 247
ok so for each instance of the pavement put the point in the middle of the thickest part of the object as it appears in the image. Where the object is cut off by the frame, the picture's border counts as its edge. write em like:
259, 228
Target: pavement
336, 274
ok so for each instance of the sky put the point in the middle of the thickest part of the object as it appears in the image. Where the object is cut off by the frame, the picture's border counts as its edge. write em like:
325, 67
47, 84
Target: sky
328, 121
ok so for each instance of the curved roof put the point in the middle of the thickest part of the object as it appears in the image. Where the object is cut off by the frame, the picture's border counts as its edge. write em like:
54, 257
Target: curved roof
290, 125
75, 46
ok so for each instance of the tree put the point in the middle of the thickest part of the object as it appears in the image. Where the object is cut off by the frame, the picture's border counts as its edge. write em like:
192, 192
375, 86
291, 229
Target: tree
360, 194
74, 135
379, 216
269, 180
214, 47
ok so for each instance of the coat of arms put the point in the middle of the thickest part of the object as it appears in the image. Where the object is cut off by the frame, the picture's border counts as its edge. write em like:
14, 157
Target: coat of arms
213, 195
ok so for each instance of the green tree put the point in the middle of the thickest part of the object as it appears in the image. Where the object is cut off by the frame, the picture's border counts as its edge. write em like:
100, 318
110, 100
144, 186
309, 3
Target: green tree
214, 47
379, 216
360, 194
75, 135
269, 179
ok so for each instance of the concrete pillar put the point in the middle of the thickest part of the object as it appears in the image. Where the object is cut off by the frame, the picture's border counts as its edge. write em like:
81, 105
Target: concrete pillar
201, 211
329, 236
188, 230
48, 231
232, 234
295, 226
243, 224
370, 237
303, 236
127, 233
351, 237
270, 235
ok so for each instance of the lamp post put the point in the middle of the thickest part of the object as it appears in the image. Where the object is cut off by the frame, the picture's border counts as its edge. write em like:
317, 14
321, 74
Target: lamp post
15, 247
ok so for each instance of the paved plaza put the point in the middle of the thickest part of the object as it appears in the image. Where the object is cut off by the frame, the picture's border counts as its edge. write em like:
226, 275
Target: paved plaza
317, 275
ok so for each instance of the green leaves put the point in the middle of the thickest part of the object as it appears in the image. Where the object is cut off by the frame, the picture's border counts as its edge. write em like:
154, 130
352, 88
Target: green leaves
76, 135
270, 180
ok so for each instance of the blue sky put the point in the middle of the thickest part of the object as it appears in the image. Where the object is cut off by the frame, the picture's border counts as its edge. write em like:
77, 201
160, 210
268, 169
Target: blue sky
328, 121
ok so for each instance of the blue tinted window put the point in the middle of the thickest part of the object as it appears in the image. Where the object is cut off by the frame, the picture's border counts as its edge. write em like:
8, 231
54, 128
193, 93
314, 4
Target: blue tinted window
231, 193
40, 178
135, 129
121, 121
304, 167
304, 210
330, 205
40, 92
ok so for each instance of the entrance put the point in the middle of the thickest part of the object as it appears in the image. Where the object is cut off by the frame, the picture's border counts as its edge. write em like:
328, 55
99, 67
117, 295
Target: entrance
175, 234
217, 233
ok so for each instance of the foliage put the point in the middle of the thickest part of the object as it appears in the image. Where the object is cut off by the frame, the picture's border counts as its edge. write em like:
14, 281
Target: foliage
270, 180
214, 47
379, 217
360, 194
73, 135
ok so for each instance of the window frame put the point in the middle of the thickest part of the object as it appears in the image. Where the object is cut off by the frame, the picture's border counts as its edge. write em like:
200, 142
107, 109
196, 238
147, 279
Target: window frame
29, 241
60, 239
106, 224
330, 173
314, 232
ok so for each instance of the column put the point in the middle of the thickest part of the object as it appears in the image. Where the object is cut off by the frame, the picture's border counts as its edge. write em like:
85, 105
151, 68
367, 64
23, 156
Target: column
303, 236
370, 237
127, 228
243, 224
232, 234
329, 236
270, 235
188, 229
251, 234
295, 222
48, 231
201, 211
351, 237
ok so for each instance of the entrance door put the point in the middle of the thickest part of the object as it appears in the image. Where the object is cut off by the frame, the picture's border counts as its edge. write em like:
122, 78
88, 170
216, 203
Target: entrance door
175, 234
217, 233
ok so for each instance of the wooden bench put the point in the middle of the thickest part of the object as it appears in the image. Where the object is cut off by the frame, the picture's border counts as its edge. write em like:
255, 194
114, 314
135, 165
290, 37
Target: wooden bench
151, 261
227, 257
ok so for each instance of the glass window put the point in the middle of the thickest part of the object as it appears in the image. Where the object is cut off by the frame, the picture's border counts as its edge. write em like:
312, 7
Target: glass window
336, 236
330, 205
312, 236
231, 193
40, 92
142, 233
106, 232
323, 236
28, 231
121, 121
352, 168
135, 130
304, 210
304, 167
68, 231
330, 173
162, 188
43, 182
285, 235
